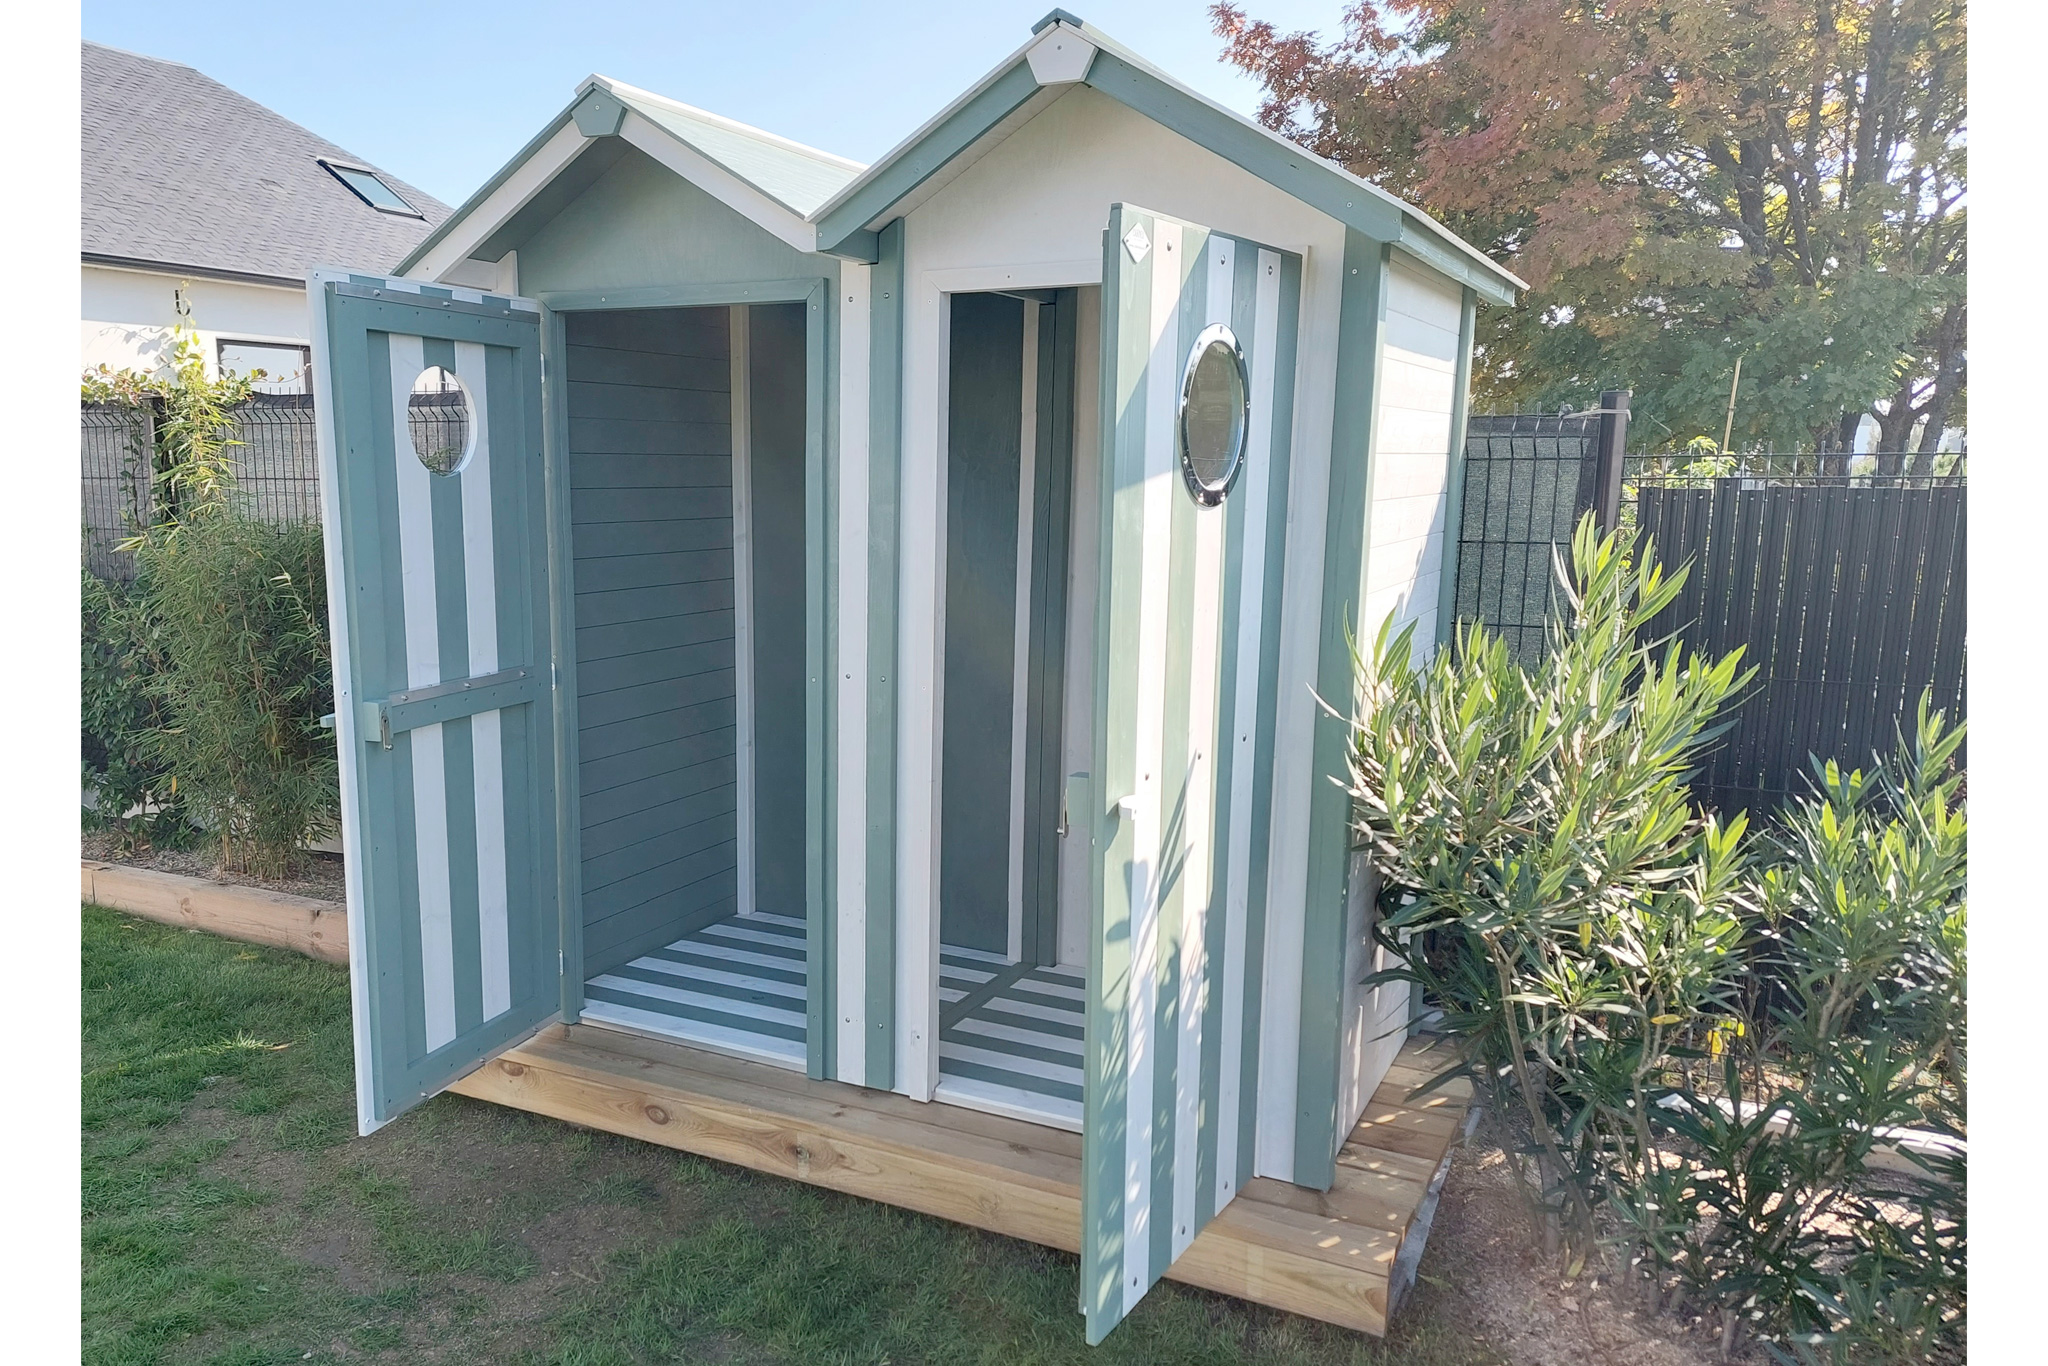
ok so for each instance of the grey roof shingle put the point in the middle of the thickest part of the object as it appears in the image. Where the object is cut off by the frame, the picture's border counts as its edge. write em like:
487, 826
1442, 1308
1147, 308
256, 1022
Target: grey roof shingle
179, 170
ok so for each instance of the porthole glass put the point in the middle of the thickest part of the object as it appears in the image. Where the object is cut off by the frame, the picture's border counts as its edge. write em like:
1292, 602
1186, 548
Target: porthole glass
440, 419
1215, 402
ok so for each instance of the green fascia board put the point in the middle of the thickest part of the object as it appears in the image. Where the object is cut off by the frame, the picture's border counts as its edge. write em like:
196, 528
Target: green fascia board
1129, 79
925, 153
489, 187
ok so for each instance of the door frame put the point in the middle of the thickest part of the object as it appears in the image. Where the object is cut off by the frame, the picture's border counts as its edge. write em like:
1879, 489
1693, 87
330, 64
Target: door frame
814, 292
921, 644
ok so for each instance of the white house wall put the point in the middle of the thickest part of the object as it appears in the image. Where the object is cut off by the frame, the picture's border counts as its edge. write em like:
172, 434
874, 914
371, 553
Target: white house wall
127, 315
1033, 210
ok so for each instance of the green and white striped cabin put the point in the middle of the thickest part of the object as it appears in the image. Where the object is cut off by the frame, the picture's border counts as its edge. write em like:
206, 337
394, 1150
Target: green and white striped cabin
869, 619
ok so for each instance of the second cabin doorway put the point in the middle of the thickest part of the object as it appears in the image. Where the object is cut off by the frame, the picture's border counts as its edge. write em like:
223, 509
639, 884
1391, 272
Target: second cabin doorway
1017, 698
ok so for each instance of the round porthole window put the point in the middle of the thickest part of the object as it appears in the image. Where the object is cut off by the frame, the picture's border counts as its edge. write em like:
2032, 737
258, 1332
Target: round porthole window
1215, 414
440, 419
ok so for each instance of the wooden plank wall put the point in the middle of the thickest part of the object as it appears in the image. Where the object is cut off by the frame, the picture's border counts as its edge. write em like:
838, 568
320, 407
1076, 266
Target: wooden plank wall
1848, 600
650, 470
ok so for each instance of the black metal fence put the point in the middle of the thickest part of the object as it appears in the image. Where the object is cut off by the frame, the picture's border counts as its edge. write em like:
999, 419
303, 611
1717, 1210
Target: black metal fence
276, 469
1846, 593
1527, 479
115, 443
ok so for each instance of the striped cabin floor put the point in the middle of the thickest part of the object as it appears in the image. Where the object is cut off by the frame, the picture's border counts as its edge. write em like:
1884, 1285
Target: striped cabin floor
737, 986
1010, 1037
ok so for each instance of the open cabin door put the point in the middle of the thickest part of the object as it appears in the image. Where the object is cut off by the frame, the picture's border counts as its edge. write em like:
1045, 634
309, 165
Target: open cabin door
434, 508
1197, 396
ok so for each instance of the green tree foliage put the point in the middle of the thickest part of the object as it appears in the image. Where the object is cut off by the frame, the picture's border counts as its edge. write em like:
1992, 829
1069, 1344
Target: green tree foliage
1704, 1039
1680, 184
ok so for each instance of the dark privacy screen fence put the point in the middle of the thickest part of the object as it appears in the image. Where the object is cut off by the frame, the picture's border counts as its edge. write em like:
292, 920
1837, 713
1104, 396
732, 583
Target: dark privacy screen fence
1846, 594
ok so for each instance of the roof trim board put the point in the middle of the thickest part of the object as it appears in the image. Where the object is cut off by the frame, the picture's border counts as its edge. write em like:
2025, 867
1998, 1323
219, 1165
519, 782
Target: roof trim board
500, 197
139, 264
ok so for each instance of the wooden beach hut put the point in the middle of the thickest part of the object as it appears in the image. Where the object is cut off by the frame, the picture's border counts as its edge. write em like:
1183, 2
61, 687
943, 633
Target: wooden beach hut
827, 655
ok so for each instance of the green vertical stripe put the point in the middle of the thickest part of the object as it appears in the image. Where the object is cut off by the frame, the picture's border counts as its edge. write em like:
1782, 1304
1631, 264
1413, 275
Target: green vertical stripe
885, 464
451, 607
553, 520
519, 561
1126, 295
1361, 322
364, 434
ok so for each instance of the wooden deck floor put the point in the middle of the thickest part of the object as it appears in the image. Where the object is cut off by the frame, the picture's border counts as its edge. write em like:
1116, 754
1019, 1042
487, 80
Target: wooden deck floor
1325, 1254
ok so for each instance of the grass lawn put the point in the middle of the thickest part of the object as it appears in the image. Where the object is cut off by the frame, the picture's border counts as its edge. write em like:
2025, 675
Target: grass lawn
231, 1217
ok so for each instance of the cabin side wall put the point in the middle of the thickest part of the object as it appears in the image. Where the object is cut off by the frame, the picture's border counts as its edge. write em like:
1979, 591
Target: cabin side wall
1415, 400
1411, 451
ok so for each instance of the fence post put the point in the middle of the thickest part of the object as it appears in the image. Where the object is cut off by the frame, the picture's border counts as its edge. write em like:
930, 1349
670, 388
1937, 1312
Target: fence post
1607, 472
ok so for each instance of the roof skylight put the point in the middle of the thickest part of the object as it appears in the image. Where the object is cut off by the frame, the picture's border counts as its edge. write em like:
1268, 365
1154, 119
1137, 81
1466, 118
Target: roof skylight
370, 188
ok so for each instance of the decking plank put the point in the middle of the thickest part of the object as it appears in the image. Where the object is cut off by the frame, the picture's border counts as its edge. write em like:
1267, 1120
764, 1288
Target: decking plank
1324, 1254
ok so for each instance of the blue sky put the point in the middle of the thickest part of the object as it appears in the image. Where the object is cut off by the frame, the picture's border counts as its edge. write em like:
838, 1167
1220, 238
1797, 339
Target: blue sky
443, 94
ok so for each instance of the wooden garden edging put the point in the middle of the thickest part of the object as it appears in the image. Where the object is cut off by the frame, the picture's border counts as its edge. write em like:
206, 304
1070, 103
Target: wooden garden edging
318, 929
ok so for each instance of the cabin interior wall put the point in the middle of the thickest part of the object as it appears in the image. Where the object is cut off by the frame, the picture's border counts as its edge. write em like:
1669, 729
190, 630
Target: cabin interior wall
651, 475
1006, 593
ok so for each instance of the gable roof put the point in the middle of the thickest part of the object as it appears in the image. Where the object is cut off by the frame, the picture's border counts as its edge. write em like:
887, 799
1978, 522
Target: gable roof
1064, 51
180, 173
771, 179
797, 176
818, 202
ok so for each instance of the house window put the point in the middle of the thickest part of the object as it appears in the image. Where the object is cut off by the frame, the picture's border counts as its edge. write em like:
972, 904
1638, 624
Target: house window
286, 369
370, 188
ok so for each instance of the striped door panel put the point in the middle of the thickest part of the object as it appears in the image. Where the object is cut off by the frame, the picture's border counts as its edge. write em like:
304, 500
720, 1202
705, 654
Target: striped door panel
1189, 650
441, 647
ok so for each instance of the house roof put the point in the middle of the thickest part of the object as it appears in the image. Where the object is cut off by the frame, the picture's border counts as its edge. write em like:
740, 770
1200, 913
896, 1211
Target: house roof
181, 173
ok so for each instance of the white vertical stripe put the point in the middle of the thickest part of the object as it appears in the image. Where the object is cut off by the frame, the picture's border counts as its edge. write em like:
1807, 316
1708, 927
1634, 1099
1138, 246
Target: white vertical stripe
921, 612
1020, 652
851, 951
423, 667
1254, 489
1200, 843
1154, 596
742, 441
480, 582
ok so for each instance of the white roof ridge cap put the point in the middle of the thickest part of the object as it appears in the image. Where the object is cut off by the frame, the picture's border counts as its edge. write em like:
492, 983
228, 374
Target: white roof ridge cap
623, 89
